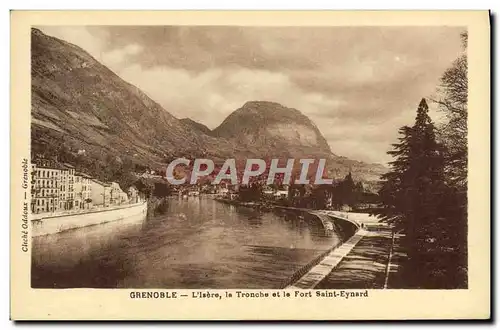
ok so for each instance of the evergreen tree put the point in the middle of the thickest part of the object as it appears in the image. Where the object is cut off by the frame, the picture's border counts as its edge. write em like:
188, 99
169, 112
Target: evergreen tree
358, 194
348, 187
392, 192
336, 193
413, 191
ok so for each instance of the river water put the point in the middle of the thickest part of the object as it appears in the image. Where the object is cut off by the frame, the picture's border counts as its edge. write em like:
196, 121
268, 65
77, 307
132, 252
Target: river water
197, 243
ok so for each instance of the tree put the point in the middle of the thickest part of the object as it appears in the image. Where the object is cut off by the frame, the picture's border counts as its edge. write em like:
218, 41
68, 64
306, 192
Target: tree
392, 191
347, 188
319, 196
413, 191
336, 193
358, 194
251, 192
452, 101
144, 187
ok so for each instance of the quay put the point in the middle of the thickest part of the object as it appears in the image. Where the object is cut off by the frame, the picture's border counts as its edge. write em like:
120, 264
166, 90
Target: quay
367, 259
46, 223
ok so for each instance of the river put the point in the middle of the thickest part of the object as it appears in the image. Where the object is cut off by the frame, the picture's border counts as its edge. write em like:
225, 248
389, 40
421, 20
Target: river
197, 243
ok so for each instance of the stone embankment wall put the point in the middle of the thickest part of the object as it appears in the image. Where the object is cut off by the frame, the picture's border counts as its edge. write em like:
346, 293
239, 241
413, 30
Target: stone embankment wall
44, 225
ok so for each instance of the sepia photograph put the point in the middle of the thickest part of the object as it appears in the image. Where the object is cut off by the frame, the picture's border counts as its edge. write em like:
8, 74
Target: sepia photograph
320, 161
113, 106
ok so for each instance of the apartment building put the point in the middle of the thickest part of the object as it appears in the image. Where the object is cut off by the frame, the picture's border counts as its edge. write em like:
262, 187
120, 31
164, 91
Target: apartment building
57, 187
52, 187
45, 187
82, 191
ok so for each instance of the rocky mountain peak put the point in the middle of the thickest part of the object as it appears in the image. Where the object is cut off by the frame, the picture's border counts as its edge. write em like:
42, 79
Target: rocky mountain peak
273, 127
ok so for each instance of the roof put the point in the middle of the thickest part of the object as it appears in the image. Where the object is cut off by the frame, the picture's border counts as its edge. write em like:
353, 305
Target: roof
50, 167
85, 175
68, 165
100, 182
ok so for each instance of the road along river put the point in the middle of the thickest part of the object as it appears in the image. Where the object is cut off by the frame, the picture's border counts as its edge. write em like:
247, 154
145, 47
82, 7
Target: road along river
197, 243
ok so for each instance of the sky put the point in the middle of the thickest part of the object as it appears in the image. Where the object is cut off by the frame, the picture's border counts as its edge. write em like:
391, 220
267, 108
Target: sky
357, 84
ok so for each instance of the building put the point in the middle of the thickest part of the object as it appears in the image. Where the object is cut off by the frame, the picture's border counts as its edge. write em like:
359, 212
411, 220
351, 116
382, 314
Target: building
268, 192
57, 187
281, 194
45, 187
123, 198
64, 204
117, 195
67, 185
100, 193
52, 187
133, 194
222, 191
82, 191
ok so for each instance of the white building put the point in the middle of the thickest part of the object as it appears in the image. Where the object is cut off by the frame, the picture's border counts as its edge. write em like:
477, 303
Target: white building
45, 187
100, 193
82, 191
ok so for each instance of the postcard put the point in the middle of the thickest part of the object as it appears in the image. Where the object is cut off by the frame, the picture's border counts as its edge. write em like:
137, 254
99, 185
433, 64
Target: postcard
250, 165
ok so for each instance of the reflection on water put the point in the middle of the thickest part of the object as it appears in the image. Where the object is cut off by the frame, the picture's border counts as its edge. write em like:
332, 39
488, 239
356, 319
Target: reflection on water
198, 243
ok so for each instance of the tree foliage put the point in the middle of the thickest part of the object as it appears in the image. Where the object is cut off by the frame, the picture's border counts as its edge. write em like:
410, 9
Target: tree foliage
417, 200
452, 101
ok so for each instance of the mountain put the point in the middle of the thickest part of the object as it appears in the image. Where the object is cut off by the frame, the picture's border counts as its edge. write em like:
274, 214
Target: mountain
273, 129
269, 128
80, 107
196, 126
83, 113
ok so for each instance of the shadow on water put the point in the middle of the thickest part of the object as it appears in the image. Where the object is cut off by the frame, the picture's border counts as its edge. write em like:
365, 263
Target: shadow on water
96, 270
88, 257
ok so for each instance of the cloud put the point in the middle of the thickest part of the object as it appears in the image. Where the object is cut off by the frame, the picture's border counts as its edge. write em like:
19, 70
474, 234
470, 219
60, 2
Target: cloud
358, 84
80, 36
117, 57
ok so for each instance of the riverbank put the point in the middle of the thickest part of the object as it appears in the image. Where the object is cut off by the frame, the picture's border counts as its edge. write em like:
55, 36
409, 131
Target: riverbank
326, 217
371, 259
368, 256
371, 264
259, 206
45, 224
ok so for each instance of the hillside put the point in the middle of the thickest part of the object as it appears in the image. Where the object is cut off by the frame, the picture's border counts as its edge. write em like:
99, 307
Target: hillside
196, 126
80, 105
